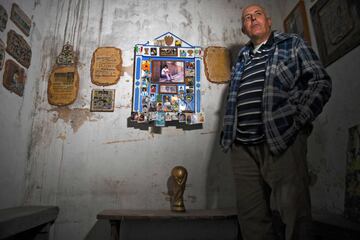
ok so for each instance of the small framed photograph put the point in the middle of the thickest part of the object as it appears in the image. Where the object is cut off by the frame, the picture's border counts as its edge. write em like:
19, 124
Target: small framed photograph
296, 22
189, 118
134, 116
168, 89
167, 71
336, 27
182, 117
153, 51
189, 81
153, 88
102, 100
160, 119
168, 52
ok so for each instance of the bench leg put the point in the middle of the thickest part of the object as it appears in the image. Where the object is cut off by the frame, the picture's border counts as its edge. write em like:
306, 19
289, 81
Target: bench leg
115, 230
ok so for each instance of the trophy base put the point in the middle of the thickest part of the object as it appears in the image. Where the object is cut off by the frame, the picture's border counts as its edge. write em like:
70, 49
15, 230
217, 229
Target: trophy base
178, 209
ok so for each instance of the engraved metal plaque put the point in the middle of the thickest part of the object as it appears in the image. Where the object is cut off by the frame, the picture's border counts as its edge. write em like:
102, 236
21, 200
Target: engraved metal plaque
20, 19
3, 18
18, 48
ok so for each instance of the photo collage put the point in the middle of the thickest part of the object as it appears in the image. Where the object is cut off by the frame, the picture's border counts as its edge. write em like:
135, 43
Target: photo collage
167, 92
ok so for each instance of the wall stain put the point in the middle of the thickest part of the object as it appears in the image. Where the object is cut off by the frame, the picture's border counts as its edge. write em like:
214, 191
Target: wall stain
211, 132
127, 106
192, 198
126, 141
76, 117
101, 21
116, 188
186, 14
62, 136
167, 196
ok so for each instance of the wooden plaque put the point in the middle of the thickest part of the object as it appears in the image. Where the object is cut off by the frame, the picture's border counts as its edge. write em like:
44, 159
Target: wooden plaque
63, 85
14, 78
217, 64
18, 48
106, 66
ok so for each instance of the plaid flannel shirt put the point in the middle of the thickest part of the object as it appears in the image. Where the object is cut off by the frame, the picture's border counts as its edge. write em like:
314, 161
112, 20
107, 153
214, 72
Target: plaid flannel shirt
295, 91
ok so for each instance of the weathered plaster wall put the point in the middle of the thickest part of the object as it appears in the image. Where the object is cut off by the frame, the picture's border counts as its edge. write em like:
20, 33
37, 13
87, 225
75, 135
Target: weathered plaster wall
328, 142
85, 161
17, 114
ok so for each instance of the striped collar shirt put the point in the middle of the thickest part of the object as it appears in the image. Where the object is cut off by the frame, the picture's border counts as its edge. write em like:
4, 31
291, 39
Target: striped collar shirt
249, 98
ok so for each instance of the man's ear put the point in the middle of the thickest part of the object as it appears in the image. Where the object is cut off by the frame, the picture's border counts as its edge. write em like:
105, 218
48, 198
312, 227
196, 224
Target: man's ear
269, 22
243, 30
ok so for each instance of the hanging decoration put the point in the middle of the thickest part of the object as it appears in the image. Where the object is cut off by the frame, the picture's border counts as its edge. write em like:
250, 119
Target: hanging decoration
64, 79
167, 84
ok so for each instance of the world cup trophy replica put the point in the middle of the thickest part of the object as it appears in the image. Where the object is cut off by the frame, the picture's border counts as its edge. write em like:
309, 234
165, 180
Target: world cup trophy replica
179, 176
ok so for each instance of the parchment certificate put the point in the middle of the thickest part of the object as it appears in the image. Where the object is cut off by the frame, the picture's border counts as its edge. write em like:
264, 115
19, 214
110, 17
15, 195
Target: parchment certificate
106, 66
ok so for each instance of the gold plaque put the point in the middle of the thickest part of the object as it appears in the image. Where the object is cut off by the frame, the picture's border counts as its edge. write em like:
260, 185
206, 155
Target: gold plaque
63, 85
217, 64
106, 66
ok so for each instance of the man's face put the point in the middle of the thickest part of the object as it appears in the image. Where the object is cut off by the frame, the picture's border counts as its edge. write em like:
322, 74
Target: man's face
256, 25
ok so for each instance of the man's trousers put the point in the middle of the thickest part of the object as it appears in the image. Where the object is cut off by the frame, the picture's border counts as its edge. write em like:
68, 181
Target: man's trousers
270, 186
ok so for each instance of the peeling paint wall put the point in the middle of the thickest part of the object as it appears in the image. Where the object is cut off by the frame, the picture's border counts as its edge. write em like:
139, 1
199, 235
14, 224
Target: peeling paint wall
328, 142
85, 161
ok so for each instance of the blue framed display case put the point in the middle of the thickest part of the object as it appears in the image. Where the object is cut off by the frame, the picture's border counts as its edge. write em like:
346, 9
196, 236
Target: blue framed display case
167, 81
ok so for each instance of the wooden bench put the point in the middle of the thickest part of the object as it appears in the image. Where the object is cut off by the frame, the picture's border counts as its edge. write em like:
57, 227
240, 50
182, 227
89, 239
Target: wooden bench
27, 222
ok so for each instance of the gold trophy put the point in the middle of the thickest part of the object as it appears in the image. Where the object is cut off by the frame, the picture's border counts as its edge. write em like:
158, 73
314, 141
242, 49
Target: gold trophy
179, 176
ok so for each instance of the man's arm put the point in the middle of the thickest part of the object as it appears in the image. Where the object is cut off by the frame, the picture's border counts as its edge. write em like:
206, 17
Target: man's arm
317, 85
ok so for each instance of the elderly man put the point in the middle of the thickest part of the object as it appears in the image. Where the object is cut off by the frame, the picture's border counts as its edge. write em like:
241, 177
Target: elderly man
278, 87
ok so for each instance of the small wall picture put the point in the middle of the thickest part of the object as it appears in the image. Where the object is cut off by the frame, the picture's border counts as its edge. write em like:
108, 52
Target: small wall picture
167, 88
3, 18
168, 52
189, 118
160, 119
296, 22
102, 100
20, 19
167, 71
134, 116
189, 81
182, 117
14, 78
153, 51
153, 88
